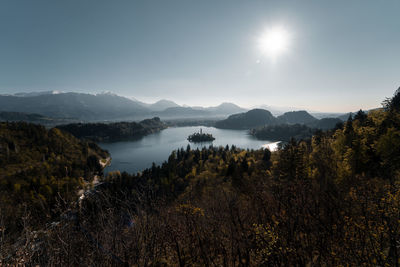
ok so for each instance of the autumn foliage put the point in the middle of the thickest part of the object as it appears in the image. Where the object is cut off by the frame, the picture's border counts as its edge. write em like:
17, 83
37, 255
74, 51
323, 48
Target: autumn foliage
333, 200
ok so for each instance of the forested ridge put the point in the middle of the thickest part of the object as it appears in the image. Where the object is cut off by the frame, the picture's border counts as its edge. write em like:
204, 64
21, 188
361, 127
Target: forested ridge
286, 123
33, 118
331, 200
116, 131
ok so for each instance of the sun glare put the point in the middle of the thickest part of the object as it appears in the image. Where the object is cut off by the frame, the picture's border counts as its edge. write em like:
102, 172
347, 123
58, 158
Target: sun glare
274, 42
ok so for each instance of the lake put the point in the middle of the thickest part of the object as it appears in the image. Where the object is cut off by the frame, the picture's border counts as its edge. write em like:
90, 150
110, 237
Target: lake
137, 155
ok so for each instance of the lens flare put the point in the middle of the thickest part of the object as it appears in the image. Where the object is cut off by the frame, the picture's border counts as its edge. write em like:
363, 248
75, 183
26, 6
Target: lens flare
274, 42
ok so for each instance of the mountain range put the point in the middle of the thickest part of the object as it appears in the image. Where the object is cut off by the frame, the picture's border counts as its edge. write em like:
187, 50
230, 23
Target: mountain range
105, 106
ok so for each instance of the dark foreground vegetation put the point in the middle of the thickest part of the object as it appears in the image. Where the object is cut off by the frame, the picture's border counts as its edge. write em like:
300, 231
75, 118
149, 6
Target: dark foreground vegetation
117, 131
38, 168
332, 200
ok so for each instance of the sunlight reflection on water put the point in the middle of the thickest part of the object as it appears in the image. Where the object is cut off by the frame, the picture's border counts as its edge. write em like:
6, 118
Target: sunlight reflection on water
136, 155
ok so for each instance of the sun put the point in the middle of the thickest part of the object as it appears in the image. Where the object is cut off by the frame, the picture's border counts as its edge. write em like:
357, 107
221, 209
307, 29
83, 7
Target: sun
274, 41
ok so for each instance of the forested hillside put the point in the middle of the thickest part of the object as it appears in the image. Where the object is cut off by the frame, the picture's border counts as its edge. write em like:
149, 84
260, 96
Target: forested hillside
250, 119
283, 132
39, 168
286, 124
117, 131
333, 200
293, 117
33, 118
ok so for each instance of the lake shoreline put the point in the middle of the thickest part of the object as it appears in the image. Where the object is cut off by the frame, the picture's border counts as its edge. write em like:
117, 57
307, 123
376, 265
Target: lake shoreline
136, 155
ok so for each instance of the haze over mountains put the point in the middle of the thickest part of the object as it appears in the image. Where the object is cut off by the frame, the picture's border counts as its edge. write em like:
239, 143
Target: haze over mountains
104, 106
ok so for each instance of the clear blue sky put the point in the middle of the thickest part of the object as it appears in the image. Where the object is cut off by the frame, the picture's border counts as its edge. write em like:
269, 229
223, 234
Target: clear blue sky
343, 54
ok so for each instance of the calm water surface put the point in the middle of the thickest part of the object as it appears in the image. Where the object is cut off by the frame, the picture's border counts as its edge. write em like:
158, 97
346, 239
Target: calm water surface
134, 156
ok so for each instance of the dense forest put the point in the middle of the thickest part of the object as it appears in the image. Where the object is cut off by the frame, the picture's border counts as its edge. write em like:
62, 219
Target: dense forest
261, 118
250, 119
33, 118
117, 131
331, 200
283, 132
293, 117
38, 167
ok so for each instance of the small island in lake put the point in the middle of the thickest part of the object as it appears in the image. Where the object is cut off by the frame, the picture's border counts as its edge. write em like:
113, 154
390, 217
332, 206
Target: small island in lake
200, 137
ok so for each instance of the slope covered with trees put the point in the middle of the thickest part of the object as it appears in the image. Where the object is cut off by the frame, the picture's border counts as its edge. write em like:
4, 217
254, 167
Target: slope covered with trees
325, 123
333, 200
293, 117
33, 118
109, 132
283, 132
38, 168
260, 120
247, 120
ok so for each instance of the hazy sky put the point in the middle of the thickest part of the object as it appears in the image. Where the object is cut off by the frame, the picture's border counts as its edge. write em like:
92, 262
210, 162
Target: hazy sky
342, 55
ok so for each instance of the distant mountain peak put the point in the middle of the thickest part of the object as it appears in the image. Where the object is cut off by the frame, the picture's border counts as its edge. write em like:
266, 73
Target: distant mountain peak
166, 101
110, 93
162, 104
39, 93
227, 108
227, 104
82, 106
